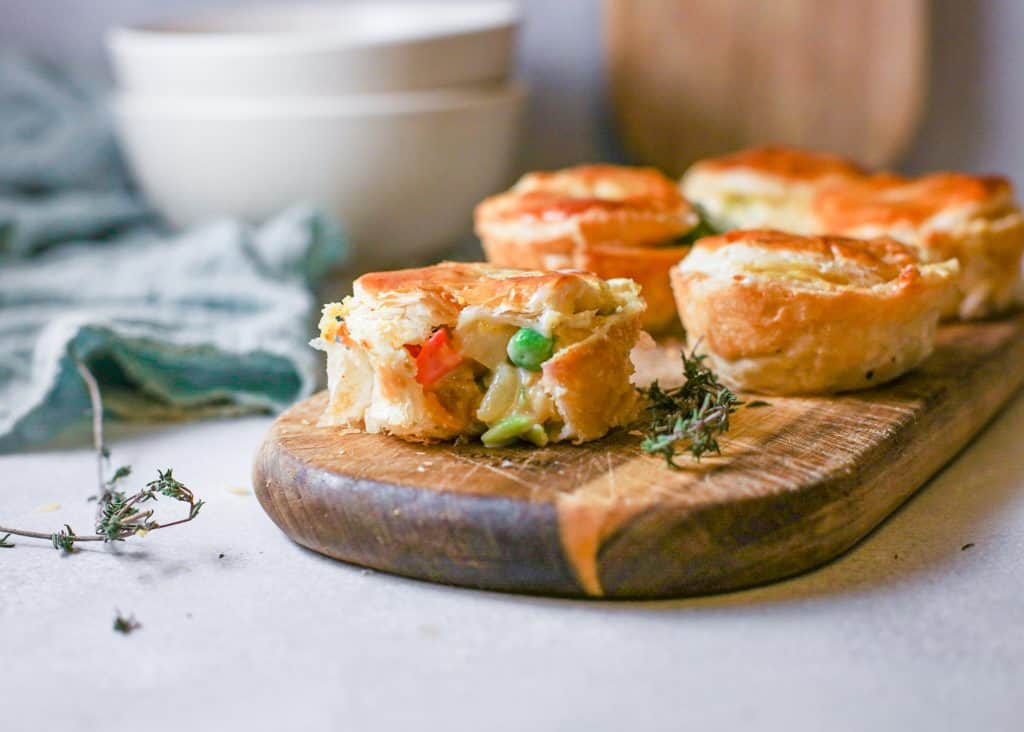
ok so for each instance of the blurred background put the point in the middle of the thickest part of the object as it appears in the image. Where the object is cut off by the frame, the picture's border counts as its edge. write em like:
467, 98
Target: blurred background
972, 117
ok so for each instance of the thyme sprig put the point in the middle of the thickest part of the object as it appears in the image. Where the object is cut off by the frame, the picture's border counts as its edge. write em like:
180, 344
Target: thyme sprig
689, 417
119, 515
125, 623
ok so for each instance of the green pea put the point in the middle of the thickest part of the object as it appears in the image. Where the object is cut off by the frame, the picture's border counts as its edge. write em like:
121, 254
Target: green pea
529, 349
507, 429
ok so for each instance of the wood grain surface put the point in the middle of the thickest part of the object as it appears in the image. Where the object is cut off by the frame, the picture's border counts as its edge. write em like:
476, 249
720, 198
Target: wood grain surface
693, 78
798, 483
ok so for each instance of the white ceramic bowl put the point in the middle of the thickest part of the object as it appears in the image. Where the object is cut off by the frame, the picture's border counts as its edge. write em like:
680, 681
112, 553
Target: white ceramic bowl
318, 50
401, 172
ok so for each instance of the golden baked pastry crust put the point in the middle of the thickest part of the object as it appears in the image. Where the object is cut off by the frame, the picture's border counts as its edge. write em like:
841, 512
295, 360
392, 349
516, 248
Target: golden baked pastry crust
884, 199
373, 336
589, 204
782, 162
972, 218
649, 267
784, 314
881, 256
599, 365
463, 284
612, 220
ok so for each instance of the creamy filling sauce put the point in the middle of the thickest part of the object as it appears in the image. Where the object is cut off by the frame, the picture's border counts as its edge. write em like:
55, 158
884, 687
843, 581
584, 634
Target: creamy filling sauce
514, 390
487, 390
476, 399
748, 211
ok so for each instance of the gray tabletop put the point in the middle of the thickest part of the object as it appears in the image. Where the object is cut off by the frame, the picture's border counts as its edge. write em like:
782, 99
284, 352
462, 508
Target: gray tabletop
240, 627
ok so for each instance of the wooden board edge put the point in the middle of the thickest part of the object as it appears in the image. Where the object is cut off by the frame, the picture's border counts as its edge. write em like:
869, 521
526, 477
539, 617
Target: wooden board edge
305, 504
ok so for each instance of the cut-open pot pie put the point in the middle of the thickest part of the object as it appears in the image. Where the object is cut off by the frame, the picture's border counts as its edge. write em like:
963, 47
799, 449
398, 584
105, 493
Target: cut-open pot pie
784, 314
460, 350
972, 218
611, 220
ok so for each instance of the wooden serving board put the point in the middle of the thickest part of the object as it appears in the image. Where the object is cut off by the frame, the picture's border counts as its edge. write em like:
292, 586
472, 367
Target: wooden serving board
798, 483
694, 78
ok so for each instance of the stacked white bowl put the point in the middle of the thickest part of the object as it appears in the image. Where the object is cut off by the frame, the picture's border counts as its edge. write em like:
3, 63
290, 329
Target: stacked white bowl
395, 118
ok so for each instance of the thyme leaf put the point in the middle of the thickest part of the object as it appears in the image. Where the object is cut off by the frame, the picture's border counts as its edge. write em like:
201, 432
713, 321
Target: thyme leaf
125, 624
688, 418
64, 540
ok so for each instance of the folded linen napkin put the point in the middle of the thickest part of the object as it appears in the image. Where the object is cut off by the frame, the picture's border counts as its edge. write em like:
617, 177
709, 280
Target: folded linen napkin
209, 321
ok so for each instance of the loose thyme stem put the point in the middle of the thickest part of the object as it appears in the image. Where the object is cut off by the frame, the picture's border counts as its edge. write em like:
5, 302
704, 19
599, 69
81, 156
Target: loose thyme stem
119, 516
91, 385
47, 537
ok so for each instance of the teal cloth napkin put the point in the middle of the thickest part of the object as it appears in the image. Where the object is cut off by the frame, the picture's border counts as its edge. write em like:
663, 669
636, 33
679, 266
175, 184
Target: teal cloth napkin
173, 325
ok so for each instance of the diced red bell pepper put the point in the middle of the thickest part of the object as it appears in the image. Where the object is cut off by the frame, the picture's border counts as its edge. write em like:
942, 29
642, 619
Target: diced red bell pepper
436, 358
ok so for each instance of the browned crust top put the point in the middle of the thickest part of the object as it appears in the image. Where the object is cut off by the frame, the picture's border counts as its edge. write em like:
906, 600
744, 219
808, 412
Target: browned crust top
784, 162
586, 189
473, 283
886, 199
875, 252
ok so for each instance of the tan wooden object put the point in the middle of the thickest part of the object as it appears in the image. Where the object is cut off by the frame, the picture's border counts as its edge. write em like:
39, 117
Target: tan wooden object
693, 78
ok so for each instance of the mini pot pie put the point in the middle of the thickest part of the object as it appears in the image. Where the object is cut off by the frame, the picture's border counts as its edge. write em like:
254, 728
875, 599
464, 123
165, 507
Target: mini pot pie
943, 215
784, 314
464, 350
972, 218
611, 220
764, 187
